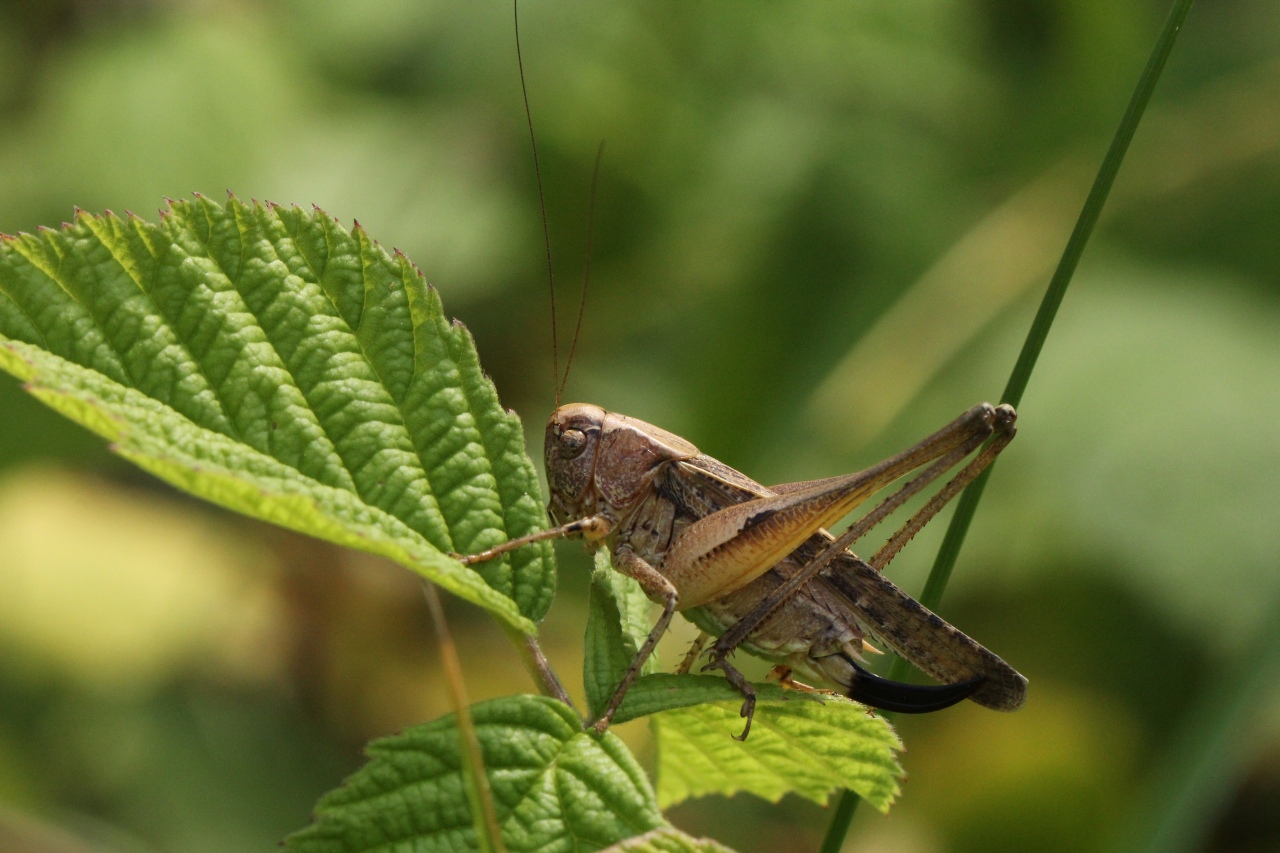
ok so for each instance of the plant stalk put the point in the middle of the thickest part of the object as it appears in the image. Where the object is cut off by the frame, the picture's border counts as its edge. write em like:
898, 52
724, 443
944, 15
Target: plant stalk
483, 814
539, 667
967, 505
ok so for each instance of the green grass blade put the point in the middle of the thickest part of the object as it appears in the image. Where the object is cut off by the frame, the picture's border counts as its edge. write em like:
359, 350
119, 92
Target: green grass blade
1057, 289
967, 504
841, 819
484, 817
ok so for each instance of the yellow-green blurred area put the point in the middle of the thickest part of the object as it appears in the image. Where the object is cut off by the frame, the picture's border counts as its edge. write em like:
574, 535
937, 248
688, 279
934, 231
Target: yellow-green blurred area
821, 230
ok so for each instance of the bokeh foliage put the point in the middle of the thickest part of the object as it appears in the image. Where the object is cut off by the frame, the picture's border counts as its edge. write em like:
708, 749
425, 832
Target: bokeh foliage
821, 228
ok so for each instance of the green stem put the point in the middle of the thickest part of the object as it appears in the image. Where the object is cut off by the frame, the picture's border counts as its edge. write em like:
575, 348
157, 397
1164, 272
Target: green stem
539, 668
483, 815
943, 564
846, 808
1093, 207
1039, 331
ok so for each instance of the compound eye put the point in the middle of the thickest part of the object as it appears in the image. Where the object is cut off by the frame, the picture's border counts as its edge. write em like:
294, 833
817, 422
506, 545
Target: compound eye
571, 443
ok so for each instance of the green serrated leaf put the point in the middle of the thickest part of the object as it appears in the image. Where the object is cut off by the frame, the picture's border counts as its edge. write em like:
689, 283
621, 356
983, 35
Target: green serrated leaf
618, 622
808, 748
668, 840
664, 691
803, 743
270, 361
555, 787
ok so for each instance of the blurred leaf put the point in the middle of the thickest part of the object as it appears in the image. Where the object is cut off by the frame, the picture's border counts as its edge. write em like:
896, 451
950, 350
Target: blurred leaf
952, 302
668, 840
1166, 471
1216, 129
555, 787
271, 362
1205, 761
189, 769
808, 748
664, 691
151, 588
175, 104
617, 624
1057, 771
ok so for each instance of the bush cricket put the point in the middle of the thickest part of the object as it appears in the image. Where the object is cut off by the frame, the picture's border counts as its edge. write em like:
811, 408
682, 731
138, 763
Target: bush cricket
752, 565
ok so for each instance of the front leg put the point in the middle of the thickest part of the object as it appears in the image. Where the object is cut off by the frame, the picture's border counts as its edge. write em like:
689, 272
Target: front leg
659, 589
592, 529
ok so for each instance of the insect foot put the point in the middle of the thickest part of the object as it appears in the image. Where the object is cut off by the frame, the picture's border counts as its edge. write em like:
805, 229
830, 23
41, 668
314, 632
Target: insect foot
738, 680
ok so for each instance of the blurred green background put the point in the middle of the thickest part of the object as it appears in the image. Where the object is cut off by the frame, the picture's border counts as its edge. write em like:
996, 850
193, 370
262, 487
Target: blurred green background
821, 231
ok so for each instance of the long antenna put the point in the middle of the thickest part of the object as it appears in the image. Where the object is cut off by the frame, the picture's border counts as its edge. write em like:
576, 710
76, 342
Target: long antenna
542, 201
586, 272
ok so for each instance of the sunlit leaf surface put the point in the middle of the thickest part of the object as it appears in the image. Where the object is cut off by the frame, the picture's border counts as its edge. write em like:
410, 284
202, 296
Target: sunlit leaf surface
555, 788
668, 840
272, 362
802, 747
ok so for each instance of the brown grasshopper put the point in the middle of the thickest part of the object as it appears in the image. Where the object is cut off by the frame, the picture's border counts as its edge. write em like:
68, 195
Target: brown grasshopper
753, 566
